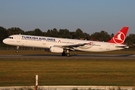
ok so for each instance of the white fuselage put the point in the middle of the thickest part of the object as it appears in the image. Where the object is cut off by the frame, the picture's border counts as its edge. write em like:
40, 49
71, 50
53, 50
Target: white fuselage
47, 42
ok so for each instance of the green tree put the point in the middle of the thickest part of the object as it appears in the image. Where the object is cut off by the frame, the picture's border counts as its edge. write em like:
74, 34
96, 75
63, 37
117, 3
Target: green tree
29, 32
79, 33
3, 34
14, 30
86, 36
54, 33
130, 39
104, 36
95, 36
48, 33
44, 33
112, 35
72, 34
101, 36
64, 33
38, 32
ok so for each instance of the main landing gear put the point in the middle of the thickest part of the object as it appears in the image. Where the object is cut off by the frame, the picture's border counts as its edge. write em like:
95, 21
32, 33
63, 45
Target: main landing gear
17, 49
66, 53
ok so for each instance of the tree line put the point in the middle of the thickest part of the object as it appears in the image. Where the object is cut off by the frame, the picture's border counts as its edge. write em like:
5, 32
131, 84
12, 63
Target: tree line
63, 33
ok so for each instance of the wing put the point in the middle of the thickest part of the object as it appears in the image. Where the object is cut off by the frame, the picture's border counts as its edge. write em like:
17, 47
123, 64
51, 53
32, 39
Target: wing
71, 46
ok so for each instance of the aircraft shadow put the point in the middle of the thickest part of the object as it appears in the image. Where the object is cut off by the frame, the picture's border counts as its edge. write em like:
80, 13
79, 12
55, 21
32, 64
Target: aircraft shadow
74, 55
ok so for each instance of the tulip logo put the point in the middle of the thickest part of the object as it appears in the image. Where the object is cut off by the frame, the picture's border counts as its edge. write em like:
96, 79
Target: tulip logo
119, 38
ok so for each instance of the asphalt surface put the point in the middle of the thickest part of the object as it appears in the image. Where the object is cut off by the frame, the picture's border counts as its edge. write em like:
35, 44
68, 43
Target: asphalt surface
103, 57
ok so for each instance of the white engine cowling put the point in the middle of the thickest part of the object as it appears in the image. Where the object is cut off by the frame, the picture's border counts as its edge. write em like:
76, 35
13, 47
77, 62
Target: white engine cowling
56, 49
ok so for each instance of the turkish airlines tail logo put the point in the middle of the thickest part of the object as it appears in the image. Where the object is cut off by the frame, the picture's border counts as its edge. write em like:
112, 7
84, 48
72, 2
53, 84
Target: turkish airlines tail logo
120, 36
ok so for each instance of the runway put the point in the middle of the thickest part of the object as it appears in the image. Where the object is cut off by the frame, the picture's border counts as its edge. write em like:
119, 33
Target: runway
101, 57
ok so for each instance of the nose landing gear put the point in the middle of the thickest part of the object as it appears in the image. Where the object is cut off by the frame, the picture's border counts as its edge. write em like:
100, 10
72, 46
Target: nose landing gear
17, 49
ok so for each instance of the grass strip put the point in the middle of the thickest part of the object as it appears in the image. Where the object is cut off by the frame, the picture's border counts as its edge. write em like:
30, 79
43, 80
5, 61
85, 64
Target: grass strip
21, 72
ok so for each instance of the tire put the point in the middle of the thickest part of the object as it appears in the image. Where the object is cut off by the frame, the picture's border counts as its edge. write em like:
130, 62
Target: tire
63, 54
16, 51
68, 55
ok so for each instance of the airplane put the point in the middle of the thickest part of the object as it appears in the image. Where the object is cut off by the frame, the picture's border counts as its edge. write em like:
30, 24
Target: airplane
63, 45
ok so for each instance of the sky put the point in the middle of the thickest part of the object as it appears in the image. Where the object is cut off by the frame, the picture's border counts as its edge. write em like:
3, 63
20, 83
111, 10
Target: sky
88, 15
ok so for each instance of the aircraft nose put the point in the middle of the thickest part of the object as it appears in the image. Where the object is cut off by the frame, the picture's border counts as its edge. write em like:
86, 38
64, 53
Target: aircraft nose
4, 41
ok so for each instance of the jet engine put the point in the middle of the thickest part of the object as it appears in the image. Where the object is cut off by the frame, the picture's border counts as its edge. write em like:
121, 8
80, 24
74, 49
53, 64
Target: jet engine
56, 49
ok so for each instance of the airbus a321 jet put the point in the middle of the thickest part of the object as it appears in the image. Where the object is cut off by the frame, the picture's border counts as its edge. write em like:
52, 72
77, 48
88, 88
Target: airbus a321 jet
62, 45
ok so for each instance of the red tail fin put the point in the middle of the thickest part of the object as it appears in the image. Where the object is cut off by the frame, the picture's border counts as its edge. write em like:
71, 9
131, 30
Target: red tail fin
120, 36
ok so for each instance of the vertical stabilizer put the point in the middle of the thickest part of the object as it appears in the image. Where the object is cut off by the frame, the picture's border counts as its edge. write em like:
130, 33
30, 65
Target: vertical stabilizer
120, 36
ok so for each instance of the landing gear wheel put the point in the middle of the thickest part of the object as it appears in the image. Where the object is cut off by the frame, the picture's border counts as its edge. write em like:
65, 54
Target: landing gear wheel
16, 51
63, 54
68, 55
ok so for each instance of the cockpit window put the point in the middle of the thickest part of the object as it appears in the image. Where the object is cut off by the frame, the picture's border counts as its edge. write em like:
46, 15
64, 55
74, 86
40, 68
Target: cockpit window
10, 37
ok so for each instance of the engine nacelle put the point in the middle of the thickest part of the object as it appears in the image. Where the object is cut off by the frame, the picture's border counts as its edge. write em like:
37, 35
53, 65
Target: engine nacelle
56, 49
